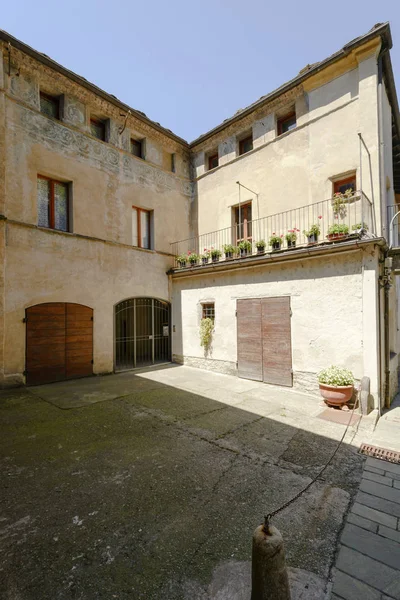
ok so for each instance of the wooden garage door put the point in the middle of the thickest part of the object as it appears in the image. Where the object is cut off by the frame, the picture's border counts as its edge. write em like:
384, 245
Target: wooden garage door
276, 341
59, 342
249, 339
264, 340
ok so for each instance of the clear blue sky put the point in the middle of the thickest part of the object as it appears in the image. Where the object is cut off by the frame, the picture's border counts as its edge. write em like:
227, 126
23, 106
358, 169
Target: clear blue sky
188, 64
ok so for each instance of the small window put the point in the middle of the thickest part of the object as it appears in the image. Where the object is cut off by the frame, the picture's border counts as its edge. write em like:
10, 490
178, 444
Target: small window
213, 161
141, 228
173, 165
50, 105
53, 204
98, 129
342, 185
287, 123
208, 311
137, 148
245, 145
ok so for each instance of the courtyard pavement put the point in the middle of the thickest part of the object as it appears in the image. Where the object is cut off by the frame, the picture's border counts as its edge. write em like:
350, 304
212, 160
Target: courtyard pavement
150, 486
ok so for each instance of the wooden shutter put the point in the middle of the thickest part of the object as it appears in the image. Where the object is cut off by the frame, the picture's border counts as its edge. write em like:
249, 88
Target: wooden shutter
276, 341
249, 339
78, 341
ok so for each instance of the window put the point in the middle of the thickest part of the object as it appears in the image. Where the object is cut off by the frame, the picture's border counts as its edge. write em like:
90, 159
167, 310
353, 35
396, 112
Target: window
245, 145
137, 148
50, 105
208, 311
342, 185
287, 123
141, 222
173, 166
98, 129
213, 161
242, 220
53, 204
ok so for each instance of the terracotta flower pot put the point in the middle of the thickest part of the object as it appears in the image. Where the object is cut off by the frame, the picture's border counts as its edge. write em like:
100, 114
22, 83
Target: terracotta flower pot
336, 395
336, 236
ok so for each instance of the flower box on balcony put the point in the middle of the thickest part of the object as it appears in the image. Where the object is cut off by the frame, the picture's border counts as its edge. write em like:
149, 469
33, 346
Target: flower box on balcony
245, 248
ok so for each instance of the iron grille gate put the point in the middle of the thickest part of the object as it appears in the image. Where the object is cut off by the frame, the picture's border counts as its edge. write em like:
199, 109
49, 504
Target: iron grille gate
142, 333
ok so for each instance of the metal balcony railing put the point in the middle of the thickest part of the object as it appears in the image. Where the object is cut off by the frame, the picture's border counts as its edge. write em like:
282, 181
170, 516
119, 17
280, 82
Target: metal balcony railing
393, 217
336, 219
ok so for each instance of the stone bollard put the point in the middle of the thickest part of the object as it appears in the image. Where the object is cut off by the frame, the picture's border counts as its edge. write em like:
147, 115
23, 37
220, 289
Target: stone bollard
269, 575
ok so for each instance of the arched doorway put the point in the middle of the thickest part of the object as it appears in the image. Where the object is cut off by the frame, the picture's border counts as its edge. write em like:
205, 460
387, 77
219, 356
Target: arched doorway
142, 333
59, 342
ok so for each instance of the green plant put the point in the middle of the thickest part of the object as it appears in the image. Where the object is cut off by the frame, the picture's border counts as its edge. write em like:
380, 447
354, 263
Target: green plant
215, 253
245, 245
314, 230
335, 376
229, 249
339, 202
261, 244
338, 228
206, 330
360, 226
205, 254
182, 258
193, 258
275, 239
291, 235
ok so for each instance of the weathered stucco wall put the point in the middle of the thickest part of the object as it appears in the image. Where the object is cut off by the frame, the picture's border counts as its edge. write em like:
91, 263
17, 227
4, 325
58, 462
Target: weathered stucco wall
296, 168
334, 314
64, 268
94, 264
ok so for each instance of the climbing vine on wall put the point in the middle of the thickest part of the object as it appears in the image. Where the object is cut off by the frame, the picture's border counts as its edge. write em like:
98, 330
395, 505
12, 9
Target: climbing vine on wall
206, 330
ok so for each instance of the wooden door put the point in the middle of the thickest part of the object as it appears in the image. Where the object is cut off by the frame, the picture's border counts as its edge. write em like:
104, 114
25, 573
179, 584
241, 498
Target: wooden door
249, 339
276, 341
264, 340
59, 342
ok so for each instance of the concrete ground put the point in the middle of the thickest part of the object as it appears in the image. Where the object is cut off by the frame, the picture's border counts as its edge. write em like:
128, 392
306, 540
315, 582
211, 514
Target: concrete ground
150, 486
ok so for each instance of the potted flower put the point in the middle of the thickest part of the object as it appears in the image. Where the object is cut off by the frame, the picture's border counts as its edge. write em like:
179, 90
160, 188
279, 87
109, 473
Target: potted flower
215, 254
275, 241
260, 245
337, 231
336, 385
245, 247
229, 250
291, 238
193, 258
358, 227
340, 201
312, 233
205, 256
181, 260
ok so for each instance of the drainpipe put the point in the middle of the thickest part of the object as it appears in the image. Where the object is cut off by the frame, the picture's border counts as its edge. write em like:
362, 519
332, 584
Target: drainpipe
386, 284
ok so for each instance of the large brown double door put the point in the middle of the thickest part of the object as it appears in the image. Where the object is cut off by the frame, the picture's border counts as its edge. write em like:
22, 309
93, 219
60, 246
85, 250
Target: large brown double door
59, 342
264, 340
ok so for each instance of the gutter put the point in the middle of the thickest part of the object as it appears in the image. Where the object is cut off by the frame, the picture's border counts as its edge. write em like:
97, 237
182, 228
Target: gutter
52, 64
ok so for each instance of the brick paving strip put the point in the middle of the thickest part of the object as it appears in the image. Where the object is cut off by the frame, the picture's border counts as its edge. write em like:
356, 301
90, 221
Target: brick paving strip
368, 562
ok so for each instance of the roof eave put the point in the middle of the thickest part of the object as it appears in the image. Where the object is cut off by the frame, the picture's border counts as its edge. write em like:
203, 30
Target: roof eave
52, 64
383, 31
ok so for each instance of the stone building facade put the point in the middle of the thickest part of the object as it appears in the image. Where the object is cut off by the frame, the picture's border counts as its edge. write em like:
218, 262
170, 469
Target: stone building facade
125, 182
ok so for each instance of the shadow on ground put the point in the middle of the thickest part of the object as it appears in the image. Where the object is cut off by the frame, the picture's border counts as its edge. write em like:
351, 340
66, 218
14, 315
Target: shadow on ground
156, 493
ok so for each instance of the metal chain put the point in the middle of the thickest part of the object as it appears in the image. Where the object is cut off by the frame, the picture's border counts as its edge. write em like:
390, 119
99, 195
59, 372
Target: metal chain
269, 516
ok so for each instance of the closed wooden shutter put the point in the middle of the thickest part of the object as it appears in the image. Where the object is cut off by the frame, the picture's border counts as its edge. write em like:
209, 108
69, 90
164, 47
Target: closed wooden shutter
264, 340
249, 339
276, 341
59, 342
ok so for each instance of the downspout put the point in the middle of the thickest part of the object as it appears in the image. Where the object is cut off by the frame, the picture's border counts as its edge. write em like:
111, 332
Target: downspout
386, 285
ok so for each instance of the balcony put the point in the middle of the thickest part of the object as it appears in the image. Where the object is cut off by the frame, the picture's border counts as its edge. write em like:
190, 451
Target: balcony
329, 222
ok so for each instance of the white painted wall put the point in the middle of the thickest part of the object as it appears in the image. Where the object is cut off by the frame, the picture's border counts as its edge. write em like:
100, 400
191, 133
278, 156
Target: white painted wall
334, 314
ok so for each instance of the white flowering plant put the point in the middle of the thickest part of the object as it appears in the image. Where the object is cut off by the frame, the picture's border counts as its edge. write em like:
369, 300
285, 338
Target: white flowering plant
336, 376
